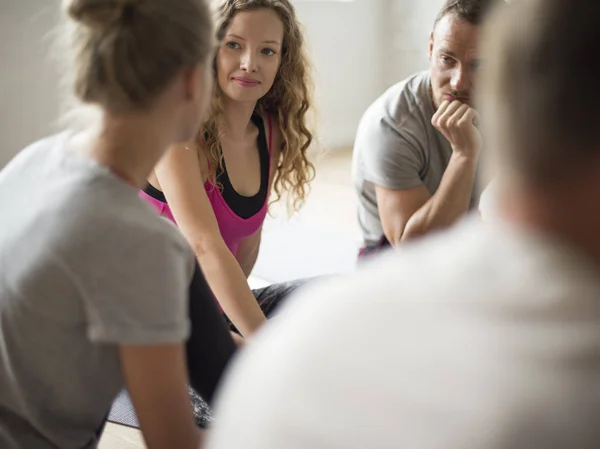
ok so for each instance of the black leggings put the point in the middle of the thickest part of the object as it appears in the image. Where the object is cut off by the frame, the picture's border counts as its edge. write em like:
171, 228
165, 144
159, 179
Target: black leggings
210, 345
270, 298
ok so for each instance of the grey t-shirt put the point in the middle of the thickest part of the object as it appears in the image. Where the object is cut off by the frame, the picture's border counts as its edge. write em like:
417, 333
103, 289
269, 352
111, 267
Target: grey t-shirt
85, 266
397, 147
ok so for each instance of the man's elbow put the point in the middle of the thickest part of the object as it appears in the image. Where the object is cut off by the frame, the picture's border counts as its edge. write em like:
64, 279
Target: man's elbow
394, 229
411, 233
415, 227
421, 225
394, 234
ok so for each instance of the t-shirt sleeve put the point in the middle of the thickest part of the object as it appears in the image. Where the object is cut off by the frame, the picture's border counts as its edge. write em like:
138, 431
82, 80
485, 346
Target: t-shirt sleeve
390, 159
137, 290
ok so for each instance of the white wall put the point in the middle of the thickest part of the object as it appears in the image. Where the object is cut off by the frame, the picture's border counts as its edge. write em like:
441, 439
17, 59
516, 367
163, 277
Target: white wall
28, 81
407, 27
358, 48
344, 38
345, 45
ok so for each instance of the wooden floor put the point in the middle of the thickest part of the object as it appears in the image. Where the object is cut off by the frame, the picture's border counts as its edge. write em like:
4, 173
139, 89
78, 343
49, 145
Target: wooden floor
331, 204
121, 437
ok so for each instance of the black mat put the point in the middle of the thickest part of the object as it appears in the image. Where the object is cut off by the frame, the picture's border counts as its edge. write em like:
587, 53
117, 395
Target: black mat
122, 411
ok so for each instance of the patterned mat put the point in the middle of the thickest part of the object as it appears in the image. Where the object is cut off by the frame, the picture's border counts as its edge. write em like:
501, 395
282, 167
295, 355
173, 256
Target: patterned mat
122, 411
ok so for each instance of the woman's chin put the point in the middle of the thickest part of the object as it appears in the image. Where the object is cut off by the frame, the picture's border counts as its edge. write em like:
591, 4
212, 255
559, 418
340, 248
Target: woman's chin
241, 96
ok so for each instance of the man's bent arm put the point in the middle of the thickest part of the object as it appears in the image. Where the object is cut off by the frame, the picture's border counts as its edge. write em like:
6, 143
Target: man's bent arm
410, 213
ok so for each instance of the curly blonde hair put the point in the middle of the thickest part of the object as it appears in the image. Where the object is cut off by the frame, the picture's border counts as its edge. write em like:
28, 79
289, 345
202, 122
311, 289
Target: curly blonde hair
289, 99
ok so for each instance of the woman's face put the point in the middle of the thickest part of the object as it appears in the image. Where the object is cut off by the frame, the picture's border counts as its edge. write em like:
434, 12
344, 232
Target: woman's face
250, 54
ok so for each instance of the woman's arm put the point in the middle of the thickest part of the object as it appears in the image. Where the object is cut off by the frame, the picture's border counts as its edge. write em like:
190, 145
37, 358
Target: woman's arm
248, 252
157, 383
181, 181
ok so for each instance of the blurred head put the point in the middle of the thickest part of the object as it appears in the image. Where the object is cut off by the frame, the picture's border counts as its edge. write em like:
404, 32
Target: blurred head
541, 88
539, 98
453, 50
132, 55
262, 60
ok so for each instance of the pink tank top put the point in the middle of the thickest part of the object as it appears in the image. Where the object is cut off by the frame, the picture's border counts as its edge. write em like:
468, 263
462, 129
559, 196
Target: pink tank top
232, 226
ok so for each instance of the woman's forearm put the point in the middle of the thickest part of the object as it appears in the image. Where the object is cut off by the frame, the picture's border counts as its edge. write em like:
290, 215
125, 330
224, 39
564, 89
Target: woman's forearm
229, 285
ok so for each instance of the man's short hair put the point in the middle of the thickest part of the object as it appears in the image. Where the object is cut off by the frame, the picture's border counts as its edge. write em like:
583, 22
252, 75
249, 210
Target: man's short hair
471, 11
540, 87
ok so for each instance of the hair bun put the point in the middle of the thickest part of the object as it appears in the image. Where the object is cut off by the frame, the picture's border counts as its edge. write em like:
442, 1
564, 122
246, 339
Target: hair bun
96, 13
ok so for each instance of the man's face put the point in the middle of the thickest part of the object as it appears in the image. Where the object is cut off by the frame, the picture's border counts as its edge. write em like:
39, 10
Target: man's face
453, 56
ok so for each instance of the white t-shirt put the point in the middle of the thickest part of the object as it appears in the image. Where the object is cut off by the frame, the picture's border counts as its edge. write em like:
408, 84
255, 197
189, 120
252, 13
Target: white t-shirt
482, 337
488, 202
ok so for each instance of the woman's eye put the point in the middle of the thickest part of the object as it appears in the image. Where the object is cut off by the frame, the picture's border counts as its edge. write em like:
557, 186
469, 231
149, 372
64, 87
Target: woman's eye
232, 45
268, 51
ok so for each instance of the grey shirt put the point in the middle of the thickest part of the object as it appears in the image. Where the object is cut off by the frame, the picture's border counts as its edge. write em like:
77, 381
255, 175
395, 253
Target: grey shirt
85, 266
398, 148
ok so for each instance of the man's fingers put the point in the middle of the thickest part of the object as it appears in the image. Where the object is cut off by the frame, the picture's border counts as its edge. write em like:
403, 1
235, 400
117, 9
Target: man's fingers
439, 112
471, 117
448, 113
452, 108
455, 119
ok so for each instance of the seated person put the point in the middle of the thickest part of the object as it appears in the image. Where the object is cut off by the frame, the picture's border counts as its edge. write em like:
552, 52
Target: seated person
251, 150
486, 336
94, 286
417, 146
